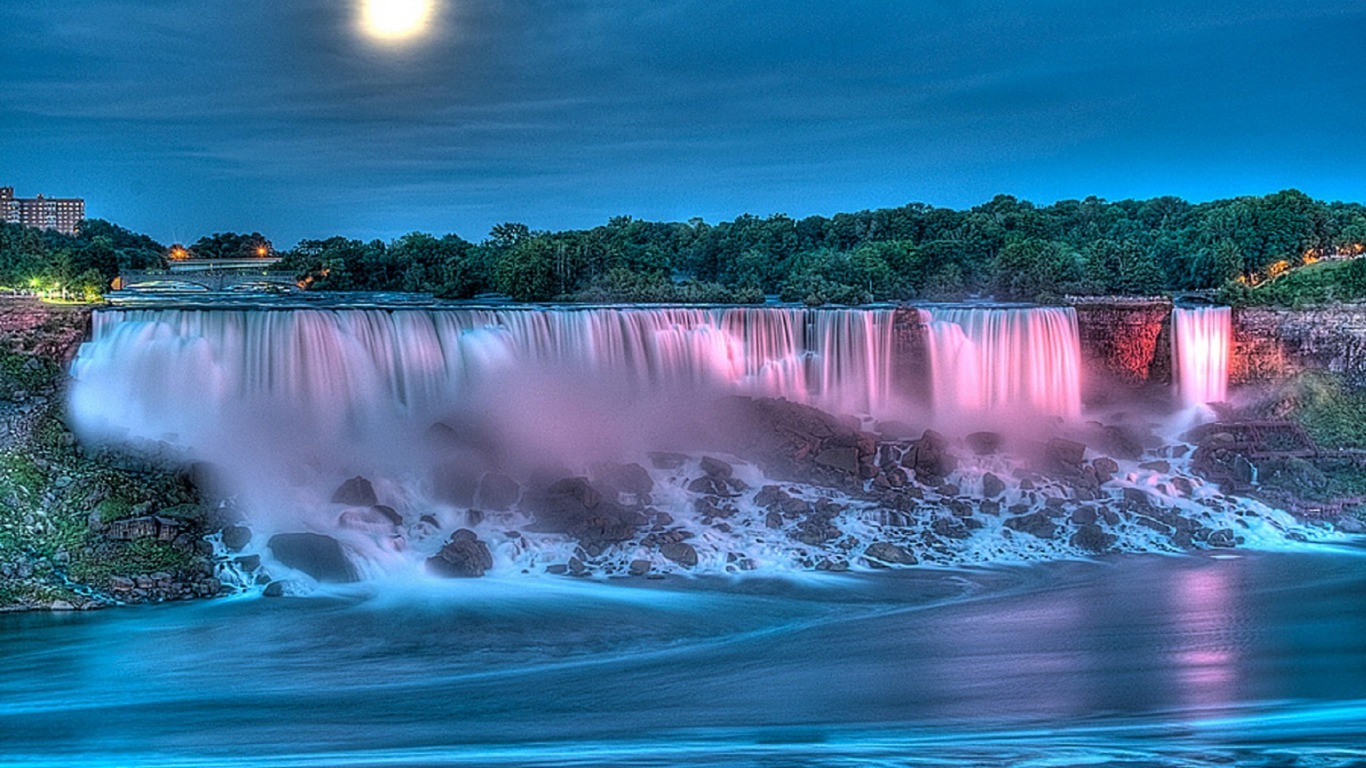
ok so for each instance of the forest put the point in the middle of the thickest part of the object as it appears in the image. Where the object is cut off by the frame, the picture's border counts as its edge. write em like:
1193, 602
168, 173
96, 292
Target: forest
1007, 248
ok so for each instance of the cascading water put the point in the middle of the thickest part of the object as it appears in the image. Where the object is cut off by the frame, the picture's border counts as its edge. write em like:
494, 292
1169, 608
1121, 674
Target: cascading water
440, 408
1200, 346
1004, 359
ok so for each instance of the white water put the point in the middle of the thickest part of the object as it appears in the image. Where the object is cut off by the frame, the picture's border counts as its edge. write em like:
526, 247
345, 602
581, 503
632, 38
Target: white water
1200, 347
288, 404
1006, 360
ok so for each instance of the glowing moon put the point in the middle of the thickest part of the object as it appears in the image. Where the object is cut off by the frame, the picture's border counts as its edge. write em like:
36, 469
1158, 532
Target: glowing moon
394, 20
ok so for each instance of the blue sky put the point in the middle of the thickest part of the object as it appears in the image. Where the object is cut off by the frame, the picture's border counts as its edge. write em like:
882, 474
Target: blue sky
184, 117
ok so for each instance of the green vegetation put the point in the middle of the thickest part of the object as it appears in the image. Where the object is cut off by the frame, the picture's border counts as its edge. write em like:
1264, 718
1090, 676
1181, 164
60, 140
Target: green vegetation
81, 267
1007, 247
1316, 284
1332, 414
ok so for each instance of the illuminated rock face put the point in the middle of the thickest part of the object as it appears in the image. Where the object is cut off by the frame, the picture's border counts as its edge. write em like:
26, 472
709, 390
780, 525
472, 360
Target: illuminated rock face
1125, 342
1272, 344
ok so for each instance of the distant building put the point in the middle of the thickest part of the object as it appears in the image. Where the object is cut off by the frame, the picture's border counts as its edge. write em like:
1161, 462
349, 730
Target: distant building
62, 214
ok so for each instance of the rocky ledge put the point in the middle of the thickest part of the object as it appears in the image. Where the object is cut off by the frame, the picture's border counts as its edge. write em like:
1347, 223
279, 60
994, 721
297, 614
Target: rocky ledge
80, 531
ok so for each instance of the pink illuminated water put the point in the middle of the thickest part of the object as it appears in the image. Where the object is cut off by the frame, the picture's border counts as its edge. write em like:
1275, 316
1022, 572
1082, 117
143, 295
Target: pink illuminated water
418, 359
997, 360
1200, 346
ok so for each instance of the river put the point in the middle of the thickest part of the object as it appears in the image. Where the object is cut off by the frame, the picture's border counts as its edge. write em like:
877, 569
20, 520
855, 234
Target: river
1257, 658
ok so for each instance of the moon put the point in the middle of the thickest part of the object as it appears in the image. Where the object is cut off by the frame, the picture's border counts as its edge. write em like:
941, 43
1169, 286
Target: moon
395, 20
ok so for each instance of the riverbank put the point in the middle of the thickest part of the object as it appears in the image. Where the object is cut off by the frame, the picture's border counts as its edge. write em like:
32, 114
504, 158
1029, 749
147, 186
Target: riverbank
81, 531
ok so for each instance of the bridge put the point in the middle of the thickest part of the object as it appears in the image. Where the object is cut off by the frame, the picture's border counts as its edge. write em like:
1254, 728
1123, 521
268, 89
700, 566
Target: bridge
185, 280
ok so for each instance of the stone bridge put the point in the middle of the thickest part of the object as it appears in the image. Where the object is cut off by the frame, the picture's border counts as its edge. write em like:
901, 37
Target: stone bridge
206, 280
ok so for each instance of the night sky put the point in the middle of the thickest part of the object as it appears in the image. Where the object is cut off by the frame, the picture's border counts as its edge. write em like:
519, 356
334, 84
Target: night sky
184, 117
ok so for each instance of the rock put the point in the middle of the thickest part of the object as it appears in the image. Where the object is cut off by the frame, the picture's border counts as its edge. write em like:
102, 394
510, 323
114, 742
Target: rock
497, 491
1137, 497
248, 563
1223, 538
601, 529
716, 468
843, 459
319, 556
775, 520
680, 552
630, 479
388, 513
1092, 538
1035, 524
639, 567
983, 443
1106, 468
356, 492
1183, 485
929, 457
578, 489
1064, 455
992, 486
236, 537
770, 495
464, 556
61, 605
886, 552
1157, 466
274, 589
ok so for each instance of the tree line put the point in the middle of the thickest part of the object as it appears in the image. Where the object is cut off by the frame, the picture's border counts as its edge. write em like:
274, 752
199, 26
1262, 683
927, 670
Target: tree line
1007, 248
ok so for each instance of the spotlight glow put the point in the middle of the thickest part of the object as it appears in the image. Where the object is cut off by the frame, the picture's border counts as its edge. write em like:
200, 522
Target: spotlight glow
394, 20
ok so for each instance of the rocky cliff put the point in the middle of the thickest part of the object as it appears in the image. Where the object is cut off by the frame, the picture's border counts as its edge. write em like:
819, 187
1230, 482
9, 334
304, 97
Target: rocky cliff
1271, 344
79, 531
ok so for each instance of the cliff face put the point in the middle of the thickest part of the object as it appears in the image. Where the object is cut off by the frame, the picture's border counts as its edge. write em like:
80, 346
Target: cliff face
1272, 344
72, 525
1127, 340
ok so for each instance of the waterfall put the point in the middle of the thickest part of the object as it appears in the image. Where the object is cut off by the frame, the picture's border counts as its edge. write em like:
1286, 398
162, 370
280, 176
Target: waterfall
1200, 347
160, 362
1005, 359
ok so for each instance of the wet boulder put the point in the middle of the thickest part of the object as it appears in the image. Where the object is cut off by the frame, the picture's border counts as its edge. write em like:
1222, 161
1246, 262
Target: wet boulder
1106, 468
930, 457
319, 556
842, 459
1091, 538
679, 552
236, 537
389, 513
464, 556
716, 468
886, 553
1065, 456
356, 492
631, 479
1035, 524
992, 486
